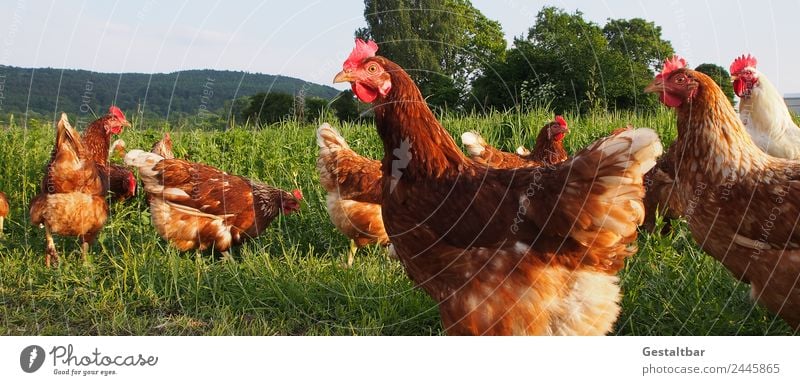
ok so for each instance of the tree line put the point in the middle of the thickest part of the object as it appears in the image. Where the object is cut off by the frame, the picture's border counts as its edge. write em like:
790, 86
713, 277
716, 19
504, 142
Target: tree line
460, 61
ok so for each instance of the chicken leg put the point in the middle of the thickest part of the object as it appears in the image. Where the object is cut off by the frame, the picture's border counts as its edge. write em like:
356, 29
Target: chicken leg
50, 251
351, 254
86, 240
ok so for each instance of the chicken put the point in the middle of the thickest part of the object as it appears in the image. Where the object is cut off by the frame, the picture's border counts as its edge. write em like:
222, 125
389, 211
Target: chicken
741, 205
118, 149
164, 147
763, 110
97, 138
352, 183
72, 197
121, 182
548, 150
3, 210
502, 251
195, 206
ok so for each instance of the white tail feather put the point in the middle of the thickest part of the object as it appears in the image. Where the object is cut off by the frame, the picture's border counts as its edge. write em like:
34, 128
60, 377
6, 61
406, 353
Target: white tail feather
474, 143
330, 139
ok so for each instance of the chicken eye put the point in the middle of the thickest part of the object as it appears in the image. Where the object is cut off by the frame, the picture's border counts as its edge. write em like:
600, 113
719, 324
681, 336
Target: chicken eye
680, 79
372, 68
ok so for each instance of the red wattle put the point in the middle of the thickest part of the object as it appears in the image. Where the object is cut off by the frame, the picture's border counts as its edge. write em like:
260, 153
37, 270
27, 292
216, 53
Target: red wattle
738, 87
366, 94
559, 137
669, 100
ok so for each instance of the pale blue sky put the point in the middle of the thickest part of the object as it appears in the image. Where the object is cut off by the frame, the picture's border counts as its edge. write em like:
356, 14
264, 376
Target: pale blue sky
310, 39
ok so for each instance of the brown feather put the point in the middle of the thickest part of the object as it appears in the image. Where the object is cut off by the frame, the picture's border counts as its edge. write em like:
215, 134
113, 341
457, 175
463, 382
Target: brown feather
198, 206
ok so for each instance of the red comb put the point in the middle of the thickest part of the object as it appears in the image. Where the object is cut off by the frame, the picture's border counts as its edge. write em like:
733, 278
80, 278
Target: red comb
560, 120
297, 194
362, 51
743, 62
671, 64
114, 110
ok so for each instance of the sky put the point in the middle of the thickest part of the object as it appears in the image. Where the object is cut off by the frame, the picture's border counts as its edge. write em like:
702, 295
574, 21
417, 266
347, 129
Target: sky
310, 39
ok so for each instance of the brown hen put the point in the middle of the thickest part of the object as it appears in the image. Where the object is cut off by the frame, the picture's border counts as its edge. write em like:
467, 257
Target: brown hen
741, 205
195, 206
72, 197
119, 181
548, 150
353, 187
503, 251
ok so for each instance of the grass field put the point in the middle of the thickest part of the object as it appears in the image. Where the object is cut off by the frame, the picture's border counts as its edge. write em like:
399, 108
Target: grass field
290, 280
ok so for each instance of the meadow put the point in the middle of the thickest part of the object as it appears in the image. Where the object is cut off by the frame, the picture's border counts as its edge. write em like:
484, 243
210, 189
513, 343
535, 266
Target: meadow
292, 279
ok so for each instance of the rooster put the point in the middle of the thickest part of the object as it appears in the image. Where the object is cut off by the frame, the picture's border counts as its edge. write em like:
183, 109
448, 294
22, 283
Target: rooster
195, 206
741, 204
548, 150
503, 251
352, 183
119, 181
763, 110
3, 210
72, 197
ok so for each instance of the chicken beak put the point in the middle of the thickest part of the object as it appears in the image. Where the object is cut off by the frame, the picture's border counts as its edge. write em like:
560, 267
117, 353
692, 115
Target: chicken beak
342, 77
125, 123
656, 86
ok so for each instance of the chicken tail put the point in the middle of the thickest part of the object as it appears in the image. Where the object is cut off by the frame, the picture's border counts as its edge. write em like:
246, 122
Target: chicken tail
474, 143
598, 193
67, 139
329, 140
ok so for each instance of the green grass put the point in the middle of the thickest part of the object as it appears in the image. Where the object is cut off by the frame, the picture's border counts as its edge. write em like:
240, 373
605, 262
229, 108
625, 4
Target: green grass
290, 280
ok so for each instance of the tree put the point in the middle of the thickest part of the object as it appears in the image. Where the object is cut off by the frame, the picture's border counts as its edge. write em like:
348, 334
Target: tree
270, 107
640, 50
442, 44
315, 108
345, 106
720, 76
568, 63
639, 40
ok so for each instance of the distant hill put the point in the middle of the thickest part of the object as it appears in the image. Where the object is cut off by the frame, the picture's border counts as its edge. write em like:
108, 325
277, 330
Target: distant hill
45, 90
